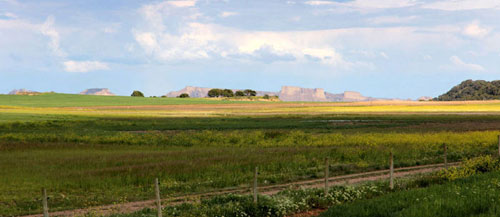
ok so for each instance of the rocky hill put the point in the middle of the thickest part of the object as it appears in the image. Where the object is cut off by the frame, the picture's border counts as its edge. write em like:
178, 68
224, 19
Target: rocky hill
288, 93
23, 92
97, 91
198, 92
473, 90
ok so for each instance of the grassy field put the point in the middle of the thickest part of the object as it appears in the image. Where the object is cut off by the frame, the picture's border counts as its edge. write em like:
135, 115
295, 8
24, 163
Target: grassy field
76, 100
473, 196
103, 155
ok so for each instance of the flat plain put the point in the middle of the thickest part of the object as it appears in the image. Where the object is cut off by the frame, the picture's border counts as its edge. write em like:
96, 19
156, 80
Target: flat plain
95, 150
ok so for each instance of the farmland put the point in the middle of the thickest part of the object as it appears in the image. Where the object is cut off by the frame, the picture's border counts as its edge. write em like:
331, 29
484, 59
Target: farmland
103, 150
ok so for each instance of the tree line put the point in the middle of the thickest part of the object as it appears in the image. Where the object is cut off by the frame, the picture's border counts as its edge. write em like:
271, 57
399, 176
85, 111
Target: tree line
472, 90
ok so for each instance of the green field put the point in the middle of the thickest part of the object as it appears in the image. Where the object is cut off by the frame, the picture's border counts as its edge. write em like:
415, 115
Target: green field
75, 100
103, 156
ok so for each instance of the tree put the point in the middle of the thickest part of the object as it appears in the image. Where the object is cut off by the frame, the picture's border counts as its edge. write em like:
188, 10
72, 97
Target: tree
183, 95
137, 93
266, 96
227, 93
249, 92
215, 92
239, 93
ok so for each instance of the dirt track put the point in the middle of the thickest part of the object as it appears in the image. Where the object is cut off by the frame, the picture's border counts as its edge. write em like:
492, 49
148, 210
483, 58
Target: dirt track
266, 190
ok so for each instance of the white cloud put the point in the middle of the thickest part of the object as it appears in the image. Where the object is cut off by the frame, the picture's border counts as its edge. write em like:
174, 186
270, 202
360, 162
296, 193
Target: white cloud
8, 15
185, 3
458, 5
228, 14
48, 30
384, 55
391, 19
375, 4
84, 66
465, 66
475, 31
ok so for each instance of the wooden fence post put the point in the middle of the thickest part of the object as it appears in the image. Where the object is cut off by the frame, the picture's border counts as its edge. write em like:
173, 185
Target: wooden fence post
391, 172
445, 155
158, 200
44, 202
327, 171
256, 172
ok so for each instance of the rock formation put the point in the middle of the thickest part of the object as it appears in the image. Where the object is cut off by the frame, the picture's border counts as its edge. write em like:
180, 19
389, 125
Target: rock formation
23, 92
289, 93
97, 91
198, 92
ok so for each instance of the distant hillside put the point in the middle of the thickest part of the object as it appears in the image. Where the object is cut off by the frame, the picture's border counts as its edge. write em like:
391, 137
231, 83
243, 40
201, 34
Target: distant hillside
200, 92
23, 92
288, 93
473, 90
97, 91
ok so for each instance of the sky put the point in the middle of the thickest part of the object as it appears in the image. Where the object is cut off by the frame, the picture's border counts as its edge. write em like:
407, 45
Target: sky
381, 48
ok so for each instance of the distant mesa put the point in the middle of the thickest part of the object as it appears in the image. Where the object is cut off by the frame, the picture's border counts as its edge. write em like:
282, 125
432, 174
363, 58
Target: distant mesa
97, 91
424, 98
288, 93
23, 92
200, 92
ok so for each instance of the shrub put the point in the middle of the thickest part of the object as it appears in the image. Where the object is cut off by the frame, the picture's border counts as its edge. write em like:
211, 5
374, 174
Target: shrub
471, 167
249, 92
137, 93
215, 92
266, 96
227, 93
239, 93
183, 95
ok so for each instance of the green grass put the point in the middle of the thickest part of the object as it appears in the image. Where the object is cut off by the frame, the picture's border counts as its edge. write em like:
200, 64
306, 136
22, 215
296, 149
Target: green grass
86, 161
88, 157
75, 100
473, 196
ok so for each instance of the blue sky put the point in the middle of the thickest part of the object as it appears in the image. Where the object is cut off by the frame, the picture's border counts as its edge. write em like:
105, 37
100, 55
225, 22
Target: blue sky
381, 48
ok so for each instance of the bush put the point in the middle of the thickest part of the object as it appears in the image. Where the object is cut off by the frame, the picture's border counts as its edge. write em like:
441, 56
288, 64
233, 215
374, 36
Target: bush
266, 96
227, 93
183, 95
471, 167
137, 93
239, 93
215, 92
249, 92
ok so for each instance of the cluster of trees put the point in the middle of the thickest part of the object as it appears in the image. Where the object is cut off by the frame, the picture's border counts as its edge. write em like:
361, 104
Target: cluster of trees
229, 93
137, 93
473, 90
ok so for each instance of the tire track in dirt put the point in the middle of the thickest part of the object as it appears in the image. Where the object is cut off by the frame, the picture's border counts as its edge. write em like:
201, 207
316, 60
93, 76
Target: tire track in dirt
265, 190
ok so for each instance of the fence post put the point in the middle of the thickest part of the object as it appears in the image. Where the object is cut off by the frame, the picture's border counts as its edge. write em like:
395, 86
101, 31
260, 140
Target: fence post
44, 202
158, 200
256, 172
391, 173
327, 171
445, 155
499, 145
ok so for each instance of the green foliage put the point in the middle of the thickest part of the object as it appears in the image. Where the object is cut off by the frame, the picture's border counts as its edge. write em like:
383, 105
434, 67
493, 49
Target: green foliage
472, 196
137, 93
239, 93
282, 204
184, 95
227, 93
215, 92
249, 92
471, 167
473, 90
266, 96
